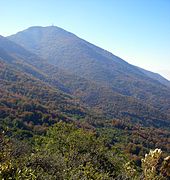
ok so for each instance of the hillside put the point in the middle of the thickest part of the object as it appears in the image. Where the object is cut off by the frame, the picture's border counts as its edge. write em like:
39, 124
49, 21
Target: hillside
29, 104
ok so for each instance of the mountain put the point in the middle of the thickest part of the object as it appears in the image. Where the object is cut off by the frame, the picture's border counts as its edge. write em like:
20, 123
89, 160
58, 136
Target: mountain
110, 79
69, 52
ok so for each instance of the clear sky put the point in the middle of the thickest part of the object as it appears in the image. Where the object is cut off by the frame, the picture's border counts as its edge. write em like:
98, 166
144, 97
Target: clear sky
136, 30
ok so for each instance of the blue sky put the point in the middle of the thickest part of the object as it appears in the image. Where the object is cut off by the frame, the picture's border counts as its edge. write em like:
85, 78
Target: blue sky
135, 30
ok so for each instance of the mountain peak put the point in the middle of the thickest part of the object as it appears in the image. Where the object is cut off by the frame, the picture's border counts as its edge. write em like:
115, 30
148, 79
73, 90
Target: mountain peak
53, 30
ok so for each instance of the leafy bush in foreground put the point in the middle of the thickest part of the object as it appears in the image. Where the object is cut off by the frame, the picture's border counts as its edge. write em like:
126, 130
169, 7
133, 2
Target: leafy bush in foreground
69, 152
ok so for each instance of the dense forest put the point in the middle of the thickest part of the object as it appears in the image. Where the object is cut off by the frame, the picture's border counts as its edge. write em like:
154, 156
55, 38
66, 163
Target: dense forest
111, 121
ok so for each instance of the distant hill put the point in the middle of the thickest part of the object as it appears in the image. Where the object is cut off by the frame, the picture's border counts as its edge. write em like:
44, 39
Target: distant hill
156, 76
